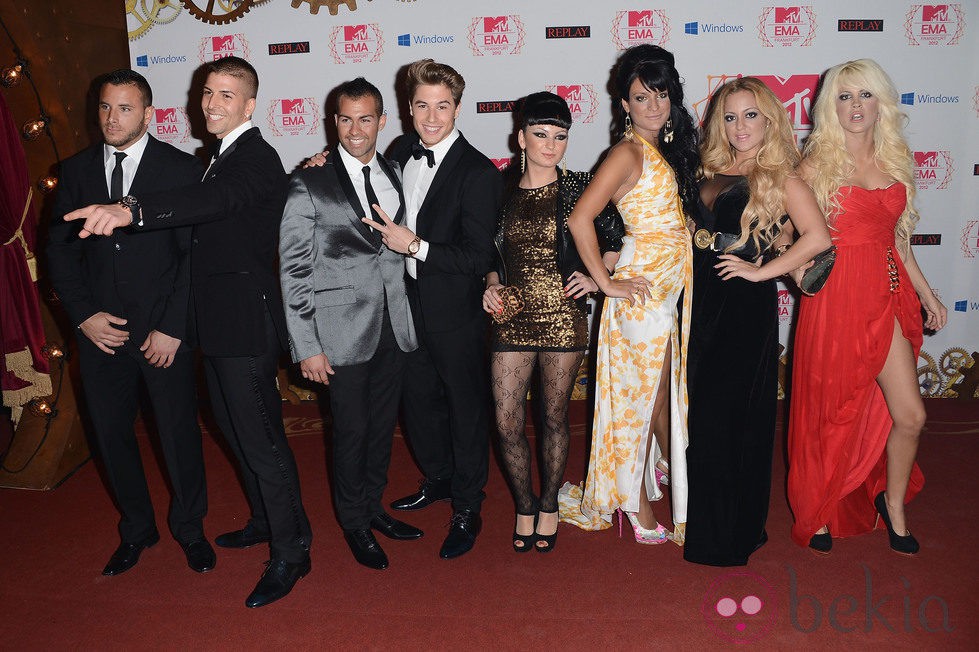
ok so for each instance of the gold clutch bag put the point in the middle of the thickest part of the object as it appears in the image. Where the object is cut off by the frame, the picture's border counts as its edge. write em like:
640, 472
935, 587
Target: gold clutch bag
512, 304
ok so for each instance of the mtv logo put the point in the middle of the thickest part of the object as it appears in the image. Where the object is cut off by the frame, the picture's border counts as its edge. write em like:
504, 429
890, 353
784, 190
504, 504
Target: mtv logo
570, 93
166, 115
934, 13
293, 106
355, 32
496, 24
962, 306
404, 40
501, 163
796, 93
926, 159
691, 28
788, 14
223, 43
641, 18
907, 98
142, 61
784, 298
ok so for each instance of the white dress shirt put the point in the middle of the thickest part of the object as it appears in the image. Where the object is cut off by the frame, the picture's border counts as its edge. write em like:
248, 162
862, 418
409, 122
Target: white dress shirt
417, 181
387, 194
129, 164
226, 142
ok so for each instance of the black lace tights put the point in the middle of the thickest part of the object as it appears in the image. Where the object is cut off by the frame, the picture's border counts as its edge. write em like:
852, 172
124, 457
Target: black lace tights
511, 377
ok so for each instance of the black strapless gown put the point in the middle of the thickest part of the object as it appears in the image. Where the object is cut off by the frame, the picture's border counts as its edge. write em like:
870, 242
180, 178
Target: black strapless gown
733, 389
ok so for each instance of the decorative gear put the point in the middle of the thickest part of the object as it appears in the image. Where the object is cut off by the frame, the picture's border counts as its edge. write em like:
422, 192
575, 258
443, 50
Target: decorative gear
219, 12
332, 5
953, 360
149, 13
929, 378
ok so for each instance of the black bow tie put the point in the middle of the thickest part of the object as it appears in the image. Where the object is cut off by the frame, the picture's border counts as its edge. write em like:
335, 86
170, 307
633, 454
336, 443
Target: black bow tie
418, 150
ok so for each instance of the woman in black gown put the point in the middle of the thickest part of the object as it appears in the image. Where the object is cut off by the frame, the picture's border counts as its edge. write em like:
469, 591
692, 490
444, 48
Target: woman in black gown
748, 157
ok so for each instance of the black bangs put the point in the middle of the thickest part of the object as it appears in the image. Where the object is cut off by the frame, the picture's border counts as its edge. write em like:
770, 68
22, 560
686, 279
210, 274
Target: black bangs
545, 108
656, 76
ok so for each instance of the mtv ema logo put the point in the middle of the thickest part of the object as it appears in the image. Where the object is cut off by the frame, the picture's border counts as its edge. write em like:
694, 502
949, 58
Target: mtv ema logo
170, 124
787, 26
797, 93
356, 43
645, 26
496, 35
501, 163
581, 98
934, 24
932, 170
786, 306
970, 239
217, 47
299, 116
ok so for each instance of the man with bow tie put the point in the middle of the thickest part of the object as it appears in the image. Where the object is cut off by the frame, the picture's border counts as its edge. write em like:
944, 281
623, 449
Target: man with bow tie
237, 304
452, 198
350, 326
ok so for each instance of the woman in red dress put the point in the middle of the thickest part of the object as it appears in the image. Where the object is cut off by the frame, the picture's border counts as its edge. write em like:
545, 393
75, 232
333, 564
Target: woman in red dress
857, 411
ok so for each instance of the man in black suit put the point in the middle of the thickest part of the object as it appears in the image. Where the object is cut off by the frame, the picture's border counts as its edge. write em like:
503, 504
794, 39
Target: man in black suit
238, 311
128, 296
347, 313
452, 198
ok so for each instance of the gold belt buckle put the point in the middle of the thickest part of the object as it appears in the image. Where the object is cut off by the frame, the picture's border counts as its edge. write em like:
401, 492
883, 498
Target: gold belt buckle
704, 239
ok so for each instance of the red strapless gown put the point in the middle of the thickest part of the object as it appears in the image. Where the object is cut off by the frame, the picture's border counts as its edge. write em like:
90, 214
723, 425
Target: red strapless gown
838, 423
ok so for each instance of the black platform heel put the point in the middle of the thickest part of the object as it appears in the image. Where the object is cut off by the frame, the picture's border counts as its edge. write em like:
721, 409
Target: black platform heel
821, 543
528, 541
549, 539
905, 545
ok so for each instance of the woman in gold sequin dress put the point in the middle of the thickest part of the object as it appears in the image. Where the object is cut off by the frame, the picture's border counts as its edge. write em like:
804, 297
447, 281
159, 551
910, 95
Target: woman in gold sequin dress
537, 255
641, 367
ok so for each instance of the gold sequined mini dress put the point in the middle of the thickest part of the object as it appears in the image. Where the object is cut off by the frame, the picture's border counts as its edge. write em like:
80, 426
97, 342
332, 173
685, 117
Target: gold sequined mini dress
550, 321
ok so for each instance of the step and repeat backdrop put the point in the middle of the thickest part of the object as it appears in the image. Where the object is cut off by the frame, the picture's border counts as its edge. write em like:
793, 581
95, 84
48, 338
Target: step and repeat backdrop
507, 49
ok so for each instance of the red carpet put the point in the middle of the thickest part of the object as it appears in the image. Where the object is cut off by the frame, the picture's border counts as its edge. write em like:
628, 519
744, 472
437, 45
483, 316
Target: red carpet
595, 591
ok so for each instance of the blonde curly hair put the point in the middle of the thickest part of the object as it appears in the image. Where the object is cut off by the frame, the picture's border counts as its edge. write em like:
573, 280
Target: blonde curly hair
775, 161
827, 159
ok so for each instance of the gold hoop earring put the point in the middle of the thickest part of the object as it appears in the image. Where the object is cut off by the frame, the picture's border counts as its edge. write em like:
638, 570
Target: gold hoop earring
628, 127
523, 161
668, 132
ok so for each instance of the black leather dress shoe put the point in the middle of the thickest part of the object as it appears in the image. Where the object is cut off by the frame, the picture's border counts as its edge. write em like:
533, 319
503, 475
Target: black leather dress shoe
200, 555
463, 530
276, 582
127, 554
392, 528
429, 492
366, 549
244, 538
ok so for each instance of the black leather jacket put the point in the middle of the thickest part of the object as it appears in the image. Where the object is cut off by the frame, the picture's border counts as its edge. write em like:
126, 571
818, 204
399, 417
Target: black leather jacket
608, 226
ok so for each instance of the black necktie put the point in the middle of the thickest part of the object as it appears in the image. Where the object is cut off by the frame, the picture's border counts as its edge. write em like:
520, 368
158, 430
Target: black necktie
216, 148
115, 186
371, 195
418, 150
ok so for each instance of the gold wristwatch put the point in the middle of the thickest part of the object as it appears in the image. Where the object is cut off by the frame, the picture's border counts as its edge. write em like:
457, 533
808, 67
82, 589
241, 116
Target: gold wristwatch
414, 246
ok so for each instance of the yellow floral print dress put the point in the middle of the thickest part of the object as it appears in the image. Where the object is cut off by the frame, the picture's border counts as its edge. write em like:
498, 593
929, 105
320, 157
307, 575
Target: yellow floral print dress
632, 345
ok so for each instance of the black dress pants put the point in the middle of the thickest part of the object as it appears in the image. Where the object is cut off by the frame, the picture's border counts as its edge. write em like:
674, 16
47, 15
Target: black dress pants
446, 408
248, 409
111, 384
364, 401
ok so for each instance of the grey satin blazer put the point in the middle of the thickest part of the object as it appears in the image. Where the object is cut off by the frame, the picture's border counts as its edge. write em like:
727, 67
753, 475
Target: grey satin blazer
334, 270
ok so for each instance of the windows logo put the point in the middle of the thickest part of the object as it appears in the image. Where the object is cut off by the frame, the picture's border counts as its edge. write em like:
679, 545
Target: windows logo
691, 28
404, 40
142, 61
907, 98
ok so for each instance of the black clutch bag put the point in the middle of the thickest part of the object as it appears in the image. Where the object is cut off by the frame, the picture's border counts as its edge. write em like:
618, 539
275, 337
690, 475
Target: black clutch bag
814, 278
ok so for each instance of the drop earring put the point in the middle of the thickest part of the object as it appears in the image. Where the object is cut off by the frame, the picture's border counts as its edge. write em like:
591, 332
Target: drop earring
523, 161
668, 131
564, 166
628, 127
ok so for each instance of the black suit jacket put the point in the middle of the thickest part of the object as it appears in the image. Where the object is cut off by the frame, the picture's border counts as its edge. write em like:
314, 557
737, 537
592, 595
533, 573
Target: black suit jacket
235, 211
142, 277
458, 220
